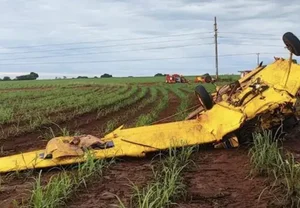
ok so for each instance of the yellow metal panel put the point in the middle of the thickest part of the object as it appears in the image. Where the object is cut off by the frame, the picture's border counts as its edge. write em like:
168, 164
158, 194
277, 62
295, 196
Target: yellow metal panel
271, 101
276, 73
210, 127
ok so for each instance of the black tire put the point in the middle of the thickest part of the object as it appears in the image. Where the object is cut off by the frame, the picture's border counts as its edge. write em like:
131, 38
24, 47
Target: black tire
292, 43
204, 96
207, 79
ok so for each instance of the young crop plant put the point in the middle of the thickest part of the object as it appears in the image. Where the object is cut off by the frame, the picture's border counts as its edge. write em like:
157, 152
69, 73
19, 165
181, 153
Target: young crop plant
146, 119
132, 106
127, 101
184, 104
167, 184
265, 154
269, 159
57, 190
62, 109
60, 187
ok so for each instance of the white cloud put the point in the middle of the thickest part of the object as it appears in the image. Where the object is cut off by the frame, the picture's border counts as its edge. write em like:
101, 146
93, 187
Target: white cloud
38, 22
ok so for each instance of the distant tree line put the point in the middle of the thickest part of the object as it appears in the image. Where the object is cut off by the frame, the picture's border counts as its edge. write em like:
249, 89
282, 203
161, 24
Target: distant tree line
34, 76
31, 76
160, 75
95, 77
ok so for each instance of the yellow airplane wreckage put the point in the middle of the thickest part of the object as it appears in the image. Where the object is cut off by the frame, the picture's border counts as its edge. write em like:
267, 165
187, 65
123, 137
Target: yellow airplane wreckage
263, 99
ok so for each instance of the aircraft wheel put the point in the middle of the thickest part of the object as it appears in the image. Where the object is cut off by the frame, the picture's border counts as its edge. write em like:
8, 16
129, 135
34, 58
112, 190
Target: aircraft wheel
207, 79
292, 43
204, 97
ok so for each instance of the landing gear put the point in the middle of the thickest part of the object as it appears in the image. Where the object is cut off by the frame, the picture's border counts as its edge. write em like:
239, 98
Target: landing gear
204, 97
292, 43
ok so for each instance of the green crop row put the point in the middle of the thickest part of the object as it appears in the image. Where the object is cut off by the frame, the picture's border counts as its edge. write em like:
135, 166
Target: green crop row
148, 118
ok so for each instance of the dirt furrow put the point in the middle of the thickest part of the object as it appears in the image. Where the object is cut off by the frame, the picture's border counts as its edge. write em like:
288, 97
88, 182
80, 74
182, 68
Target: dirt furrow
16, 188
116, 182
130, 122
97, 126
171, 109
220, 178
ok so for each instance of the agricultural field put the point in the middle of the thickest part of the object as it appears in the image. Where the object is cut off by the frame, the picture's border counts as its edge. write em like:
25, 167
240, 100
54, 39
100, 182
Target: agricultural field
32, 112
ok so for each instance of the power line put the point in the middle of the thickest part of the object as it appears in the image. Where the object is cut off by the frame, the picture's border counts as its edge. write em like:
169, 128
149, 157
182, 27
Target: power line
123, 60
251, 44
247, 33
107, 40
102, 46
247, 38
104, 52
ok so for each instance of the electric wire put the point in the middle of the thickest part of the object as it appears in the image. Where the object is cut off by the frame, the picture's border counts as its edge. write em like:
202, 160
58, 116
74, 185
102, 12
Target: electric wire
101, 46
122, 60
109, 40
105, 52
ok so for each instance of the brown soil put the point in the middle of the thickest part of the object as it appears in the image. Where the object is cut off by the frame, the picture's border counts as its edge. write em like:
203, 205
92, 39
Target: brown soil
115, 182
14, 190
167, 115
17, 188
219, 178
292, 142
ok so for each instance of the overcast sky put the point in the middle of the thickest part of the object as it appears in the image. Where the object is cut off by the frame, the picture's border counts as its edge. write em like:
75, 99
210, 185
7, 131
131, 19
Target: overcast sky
140, 38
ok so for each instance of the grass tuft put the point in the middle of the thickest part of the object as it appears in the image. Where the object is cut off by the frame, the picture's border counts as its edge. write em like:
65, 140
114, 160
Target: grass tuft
54, 193
61, 187
167, 185
268, 159
265, 154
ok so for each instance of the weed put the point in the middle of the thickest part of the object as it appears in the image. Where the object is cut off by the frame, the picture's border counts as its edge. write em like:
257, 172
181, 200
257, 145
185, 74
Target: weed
54, 193
111, 125
91, 168
265, 154
267, 158
144, 120
167, 183
60, 187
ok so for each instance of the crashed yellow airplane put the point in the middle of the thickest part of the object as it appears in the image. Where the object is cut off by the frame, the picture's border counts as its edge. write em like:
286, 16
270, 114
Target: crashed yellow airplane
264, 98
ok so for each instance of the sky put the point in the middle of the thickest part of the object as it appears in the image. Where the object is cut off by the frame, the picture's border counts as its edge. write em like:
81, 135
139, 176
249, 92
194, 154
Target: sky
141, 38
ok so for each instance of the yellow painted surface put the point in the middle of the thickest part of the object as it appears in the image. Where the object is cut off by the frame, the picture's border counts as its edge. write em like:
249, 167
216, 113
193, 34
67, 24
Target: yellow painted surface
210, 127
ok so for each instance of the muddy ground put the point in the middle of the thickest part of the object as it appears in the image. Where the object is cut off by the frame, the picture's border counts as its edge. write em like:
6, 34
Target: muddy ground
219, 178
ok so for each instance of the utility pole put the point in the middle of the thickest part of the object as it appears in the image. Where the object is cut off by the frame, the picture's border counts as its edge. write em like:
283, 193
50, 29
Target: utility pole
216, 47
257, 59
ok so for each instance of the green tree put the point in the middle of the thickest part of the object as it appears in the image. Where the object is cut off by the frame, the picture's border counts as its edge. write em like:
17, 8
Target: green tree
106, 75
6, 78
31, 76
159, 75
